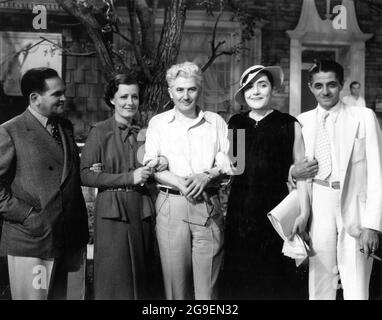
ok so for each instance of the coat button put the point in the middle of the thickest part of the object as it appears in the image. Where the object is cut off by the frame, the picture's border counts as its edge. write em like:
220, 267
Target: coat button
50, 168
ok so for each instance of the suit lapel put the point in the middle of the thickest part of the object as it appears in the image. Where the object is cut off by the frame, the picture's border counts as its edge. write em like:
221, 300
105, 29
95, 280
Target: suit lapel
69, 149
348, 127
40, 136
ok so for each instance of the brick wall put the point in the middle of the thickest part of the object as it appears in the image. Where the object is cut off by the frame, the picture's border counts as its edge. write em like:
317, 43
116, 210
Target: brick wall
84, 85
84, 92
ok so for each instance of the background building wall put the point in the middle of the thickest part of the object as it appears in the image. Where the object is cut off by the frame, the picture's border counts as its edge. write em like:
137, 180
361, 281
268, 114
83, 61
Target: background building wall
85, 82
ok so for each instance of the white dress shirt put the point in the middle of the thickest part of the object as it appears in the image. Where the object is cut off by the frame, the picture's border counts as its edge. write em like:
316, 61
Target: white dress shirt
350, 100
191, 147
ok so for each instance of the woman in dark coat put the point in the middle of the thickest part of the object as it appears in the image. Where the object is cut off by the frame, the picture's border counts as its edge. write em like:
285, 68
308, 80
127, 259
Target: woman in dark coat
123, 207
254, 266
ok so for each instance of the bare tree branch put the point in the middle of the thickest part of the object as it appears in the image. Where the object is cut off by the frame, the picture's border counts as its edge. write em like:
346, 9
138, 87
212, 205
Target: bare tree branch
15, 54
117, 32
70, 53
120, 58
215, 47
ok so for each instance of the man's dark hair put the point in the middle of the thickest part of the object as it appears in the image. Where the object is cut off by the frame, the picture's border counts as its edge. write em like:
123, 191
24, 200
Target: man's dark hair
34, 80
112, 86
354, 83
327, 66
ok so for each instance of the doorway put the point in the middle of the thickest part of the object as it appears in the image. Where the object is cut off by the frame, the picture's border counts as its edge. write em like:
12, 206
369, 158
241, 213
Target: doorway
309, 56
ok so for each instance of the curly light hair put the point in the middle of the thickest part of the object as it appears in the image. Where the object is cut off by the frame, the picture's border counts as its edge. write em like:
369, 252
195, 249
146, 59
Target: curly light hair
186, 69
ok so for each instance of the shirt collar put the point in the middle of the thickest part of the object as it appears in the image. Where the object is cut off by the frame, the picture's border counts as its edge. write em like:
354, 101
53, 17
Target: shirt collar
201, 115
42, 119
333, 112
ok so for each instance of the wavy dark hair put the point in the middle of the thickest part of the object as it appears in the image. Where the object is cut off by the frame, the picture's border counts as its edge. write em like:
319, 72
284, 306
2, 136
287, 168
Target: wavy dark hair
327, 66
112, 86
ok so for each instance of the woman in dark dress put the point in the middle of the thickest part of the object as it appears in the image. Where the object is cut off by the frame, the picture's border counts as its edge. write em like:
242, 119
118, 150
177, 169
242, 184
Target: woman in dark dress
254, 267
123, 207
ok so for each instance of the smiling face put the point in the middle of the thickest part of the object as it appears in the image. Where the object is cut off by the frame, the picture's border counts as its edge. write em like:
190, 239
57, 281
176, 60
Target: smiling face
258, 92
126, 101
185, 93
50, 102
326, 88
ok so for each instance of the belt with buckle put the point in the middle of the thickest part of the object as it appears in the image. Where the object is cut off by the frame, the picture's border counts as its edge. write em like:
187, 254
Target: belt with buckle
126, 189
210, 191
170, 191
334, 185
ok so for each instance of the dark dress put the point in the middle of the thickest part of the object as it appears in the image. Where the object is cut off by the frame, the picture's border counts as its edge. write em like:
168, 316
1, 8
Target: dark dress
122, 219
254, 266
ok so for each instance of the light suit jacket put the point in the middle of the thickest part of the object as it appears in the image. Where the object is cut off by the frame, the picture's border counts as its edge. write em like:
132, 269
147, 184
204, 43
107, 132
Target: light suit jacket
360, 165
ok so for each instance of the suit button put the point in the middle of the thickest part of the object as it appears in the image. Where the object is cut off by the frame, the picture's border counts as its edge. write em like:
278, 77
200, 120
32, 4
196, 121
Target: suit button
50, 168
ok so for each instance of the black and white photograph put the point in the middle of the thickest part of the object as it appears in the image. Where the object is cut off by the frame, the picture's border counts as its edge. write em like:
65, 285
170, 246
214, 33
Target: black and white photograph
202, 152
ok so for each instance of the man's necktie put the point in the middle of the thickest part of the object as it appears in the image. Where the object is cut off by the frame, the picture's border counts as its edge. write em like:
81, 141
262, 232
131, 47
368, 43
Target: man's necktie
54, 131
322, 150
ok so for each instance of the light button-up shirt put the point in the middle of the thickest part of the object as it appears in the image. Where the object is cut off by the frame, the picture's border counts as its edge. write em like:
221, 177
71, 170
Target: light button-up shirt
191, 147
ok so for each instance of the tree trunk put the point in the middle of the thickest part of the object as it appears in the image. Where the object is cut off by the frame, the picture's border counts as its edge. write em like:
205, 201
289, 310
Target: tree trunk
155, 96
155, 93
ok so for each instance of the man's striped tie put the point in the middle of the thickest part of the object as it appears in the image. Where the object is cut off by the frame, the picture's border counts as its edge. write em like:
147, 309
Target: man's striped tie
322, 151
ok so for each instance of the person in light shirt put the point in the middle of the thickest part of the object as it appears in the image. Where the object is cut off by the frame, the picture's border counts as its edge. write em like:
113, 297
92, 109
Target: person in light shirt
189, 222
354, 98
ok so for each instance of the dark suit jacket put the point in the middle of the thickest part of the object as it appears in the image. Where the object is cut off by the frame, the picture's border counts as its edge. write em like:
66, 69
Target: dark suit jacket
36, 172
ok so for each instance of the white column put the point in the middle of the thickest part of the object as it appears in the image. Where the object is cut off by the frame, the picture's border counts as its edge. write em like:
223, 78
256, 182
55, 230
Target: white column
295, 78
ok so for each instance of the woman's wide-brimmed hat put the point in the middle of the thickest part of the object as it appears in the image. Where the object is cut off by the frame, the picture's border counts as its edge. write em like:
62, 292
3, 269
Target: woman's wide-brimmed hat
249, 74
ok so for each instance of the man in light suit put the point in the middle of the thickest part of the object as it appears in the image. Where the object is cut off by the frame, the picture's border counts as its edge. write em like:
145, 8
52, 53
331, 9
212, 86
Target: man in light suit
45, 226
346, 192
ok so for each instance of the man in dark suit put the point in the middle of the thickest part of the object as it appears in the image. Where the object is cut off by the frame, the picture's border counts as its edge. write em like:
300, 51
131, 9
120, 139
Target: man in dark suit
45, 228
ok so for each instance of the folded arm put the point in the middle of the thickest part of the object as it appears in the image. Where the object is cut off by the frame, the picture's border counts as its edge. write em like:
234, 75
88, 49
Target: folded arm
91, 154
302, 186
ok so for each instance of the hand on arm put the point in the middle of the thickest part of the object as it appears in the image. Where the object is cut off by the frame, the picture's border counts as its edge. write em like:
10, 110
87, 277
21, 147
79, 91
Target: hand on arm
93, 173
142, 174
170, 179
304, 169
196, 184
96, 167
159, 163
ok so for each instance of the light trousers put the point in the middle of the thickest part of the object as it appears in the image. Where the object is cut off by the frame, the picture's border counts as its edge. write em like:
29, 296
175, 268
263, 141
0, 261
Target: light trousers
337, 260
41, 279
191, 254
